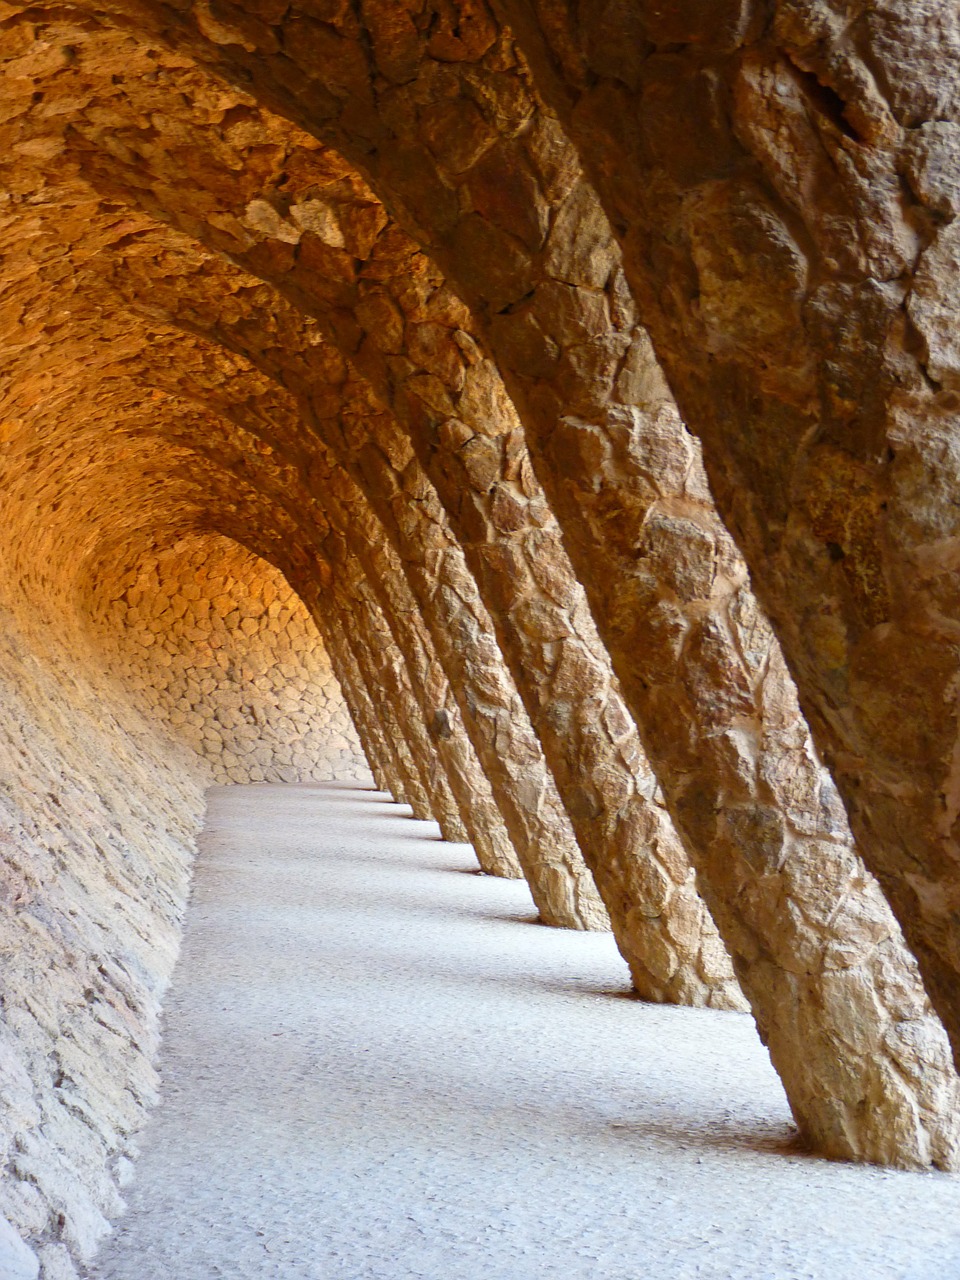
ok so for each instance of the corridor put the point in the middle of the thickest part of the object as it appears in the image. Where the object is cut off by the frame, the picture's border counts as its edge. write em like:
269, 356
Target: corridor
376, 1066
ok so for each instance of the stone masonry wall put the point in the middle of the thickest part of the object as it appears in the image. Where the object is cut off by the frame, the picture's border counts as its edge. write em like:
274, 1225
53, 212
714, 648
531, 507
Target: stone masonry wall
98, 812
214, 641
210, 321
126, 691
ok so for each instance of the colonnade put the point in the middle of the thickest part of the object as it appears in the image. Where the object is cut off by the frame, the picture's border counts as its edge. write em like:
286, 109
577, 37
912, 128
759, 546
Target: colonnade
588, 372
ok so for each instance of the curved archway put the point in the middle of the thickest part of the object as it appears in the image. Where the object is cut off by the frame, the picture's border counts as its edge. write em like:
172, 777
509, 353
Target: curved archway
402, 364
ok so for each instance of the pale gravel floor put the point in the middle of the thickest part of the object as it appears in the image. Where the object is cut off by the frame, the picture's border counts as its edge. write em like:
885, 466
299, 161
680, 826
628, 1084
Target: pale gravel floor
377, 1068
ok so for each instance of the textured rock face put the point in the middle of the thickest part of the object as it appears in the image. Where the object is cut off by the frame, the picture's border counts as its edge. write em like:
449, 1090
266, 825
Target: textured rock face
509, 539
102, 783
785, 180
100, 803
450, 749
408, 372
101, 798
755, 807
216, 644
98, 810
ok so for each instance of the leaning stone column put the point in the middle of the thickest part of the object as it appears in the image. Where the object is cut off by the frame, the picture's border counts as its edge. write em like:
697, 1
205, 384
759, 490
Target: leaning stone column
723, 802
389, 694
251, 407
804, 1079
661, 925
377, 639
808, 200
382, 668
669, 940
372, 748
459, 626
759, 814
416, 337
558, 882
373, 560
398, 764
501, 248
382, 766
461, 631
445, 808
666, 935
450, 827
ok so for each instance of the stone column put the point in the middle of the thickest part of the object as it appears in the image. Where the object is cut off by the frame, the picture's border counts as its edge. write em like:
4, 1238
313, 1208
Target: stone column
501, 250
460, 628
385, 677
394, 712
562, 669
537, 823
372, 749
258, 409
797, 174
662, 928
400, 767
377, 641
373, 560
379, 757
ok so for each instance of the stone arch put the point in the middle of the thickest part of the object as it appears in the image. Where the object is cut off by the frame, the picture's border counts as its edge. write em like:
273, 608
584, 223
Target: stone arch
506, 529
510, 211
100, 814
618, 471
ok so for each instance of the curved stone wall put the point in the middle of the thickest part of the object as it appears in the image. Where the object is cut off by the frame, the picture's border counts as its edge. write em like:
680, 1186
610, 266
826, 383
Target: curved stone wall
98, 813
126, 691
213, 641
341, 291
101, 797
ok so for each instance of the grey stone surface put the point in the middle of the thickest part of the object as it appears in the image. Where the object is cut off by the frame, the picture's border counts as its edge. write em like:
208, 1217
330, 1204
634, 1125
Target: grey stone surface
17, 1260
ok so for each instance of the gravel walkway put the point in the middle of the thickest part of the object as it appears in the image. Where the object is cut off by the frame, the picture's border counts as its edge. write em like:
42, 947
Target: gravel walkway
377, 1067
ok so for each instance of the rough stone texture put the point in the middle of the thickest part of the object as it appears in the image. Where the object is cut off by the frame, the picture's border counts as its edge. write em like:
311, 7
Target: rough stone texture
509, 537
370, 732
368, 718
789, 224
338, 408
215, 642
374, 582
440, 114
565, 890
98, 810
221, 445
444, 724
849, 1113
383, 669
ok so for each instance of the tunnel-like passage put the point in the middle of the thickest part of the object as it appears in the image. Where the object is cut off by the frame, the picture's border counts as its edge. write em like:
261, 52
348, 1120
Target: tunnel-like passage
143, 657
334, 446
216, 644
